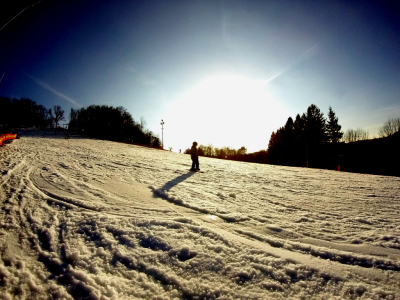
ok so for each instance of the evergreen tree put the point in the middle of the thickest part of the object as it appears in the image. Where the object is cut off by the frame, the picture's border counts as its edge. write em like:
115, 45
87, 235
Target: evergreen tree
299, 126
315, 126
288, 142
300, 135
275, 144
333, 128
289, 129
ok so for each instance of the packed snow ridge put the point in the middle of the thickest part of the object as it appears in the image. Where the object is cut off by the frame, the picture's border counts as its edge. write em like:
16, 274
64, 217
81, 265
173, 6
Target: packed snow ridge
93, 219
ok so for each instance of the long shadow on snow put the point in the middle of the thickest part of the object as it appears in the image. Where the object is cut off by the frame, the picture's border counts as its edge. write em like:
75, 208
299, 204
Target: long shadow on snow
170, 184
163, 192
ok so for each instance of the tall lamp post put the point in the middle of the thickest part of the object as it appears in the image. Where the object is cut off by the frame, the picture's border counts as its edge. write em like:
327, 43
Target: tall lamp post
162, 133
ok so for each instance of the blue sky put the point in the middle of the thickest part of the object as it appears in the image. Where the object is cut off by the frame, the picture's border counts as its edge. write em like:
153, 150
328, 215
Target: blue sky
221, 72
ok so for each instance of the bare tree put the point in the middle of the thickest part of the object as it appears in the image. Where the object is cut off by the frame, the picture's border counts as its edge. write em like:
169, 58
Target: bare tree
209, 150
49, 118
362, 134
242, 150
58, 114
229, 151
143, 124
220, 153
390, 127
355, 135
206, 150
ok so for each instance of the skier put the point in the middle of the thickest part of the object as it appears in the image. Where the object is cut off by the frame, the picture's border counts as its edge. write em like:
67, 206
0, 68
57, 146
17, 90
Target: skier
195, 158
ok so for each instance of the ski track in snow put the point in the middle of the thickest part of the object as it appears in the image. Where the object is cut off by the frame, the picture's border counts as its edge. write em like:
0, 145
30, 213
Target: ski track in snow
92, 219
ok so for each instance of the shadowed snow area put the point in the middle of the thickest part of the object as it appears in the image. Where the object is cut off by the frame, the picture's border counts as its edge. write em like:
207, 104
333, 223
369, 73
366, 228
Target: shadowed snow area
92, 219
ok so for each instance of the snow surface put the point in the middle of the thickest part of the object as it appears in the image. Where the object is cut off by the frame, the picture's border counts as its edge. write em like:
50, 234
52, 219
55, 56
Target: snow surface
92, 219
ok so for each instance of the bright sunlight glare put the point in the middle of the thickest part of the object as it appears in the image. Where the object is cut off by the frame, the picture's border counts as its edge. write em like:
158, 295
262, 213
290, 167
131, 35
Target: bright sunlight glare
224, 110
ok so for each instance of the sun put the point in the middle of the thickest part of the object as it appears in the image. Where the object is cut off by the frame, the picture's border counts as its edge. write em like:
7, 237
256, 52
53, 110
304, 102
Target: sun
226, 110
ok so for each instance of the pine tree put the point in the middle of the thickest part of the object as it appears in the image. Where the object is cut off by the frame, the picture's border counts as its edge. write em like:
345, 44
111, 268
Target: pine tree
315, 126
299, 127
333, 128
275, 147
288, 142
289, 129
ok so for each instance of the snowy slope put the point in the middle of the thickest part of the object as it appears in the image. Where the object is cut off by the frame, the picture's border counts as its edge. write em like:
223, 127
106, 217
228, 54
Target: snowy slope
91, 219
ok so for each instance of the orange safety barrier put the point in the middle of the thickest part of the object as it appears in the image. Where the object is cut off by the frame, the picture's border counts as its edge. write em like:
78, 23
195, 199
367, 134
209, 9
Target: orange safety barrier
7, 136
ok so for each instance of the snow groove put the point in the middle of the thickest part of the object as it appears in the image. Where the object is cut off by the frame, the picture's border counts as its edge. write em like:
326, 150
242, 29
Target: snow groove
329, 254
82, 218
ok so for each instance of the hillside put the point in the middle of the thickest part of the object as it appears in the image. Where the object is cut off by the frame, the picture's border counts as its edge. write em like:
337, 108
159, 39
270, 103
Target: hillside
92, 219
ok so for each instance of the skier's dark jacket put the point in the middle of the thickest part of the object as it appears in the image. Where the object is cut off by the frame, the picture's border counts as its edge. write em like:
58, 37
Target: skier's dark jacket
193, 153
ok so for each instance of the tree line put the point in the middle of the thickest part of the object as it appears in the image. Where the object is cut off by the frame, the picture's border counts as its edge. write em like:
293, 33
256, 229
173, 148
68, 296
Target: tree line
315, 141
24, 112
308, 140
300, 142
293, 144
312, 140
106, 122
111, 123
224, 152
232, 154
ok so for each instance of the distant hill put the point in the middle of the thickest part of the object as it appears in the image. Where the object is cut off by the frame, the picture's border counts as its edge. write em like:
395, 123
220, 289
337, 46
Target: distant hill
377, 156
